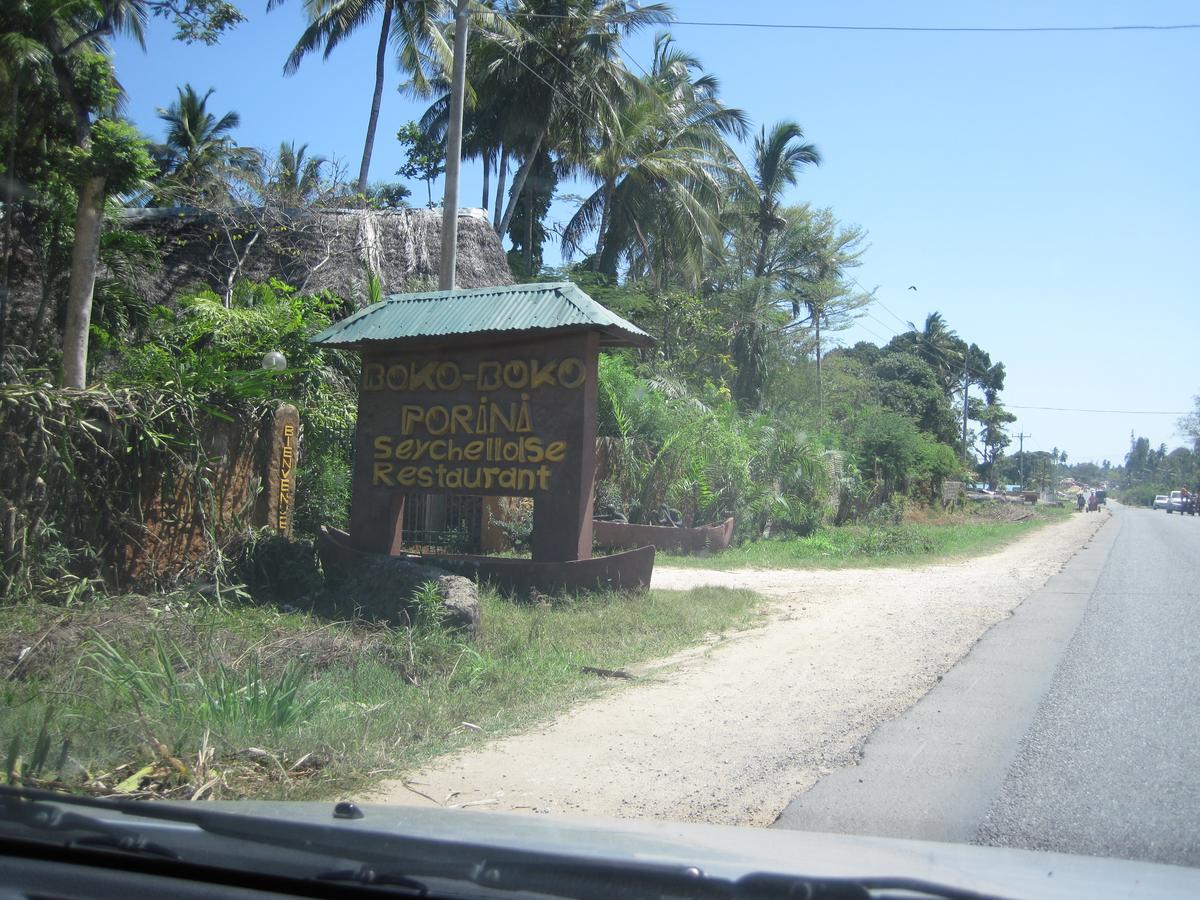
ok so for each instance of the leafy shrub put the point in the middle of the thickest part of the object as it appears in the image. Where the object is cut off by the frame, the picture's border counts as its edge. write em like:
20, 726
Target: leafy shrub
663, 444
276, 569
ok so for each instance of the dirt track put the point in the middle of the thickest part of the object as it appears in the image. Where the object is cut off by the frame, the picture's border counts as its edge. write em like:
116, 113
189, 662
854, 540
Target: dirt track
730, 732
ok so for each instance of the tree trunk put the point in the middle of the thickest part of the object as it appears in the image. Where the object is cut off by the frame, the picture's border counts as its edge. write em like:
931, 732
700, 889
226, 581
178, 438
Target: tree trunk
820, 395
760, 263
10, 195
380, 57
602, 233
528, 228
519, 181
487, 171
84, 253
501, 177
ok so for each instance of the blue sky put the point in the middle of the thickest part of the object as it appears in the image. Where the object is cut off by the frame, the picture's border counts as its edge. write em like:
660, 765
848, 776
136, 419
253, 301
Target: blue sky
1040, 190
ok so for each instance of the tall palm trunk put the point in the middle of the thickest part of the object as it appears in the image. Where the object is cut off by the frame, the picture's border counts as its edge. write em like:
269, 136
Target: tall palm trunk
519, 181
605, 215
84, 254
10, 195
820, 395
529, 228
501, 177
764, 237
487, 171
377, 97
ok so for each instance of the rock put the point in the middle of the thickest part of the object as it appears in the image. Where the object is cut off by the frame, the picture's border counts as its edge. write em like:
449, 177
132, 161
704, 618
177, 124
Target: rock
460, 604
384, 589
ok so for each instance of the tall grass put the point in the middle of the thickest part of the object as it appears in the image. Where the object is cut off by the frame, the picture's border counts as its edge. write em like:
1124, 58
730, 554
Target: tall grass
166, 692
857, 546
355, 702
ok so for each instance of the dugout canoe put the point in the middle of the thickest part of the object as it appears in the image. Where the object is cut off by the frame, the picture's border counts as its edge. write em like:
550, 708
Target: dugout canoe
711, 538
626, 571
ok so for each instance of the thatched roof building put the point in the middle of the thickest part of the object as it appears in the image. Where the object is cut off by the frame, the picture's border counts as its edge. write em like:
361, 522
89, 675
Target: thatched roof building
330, 249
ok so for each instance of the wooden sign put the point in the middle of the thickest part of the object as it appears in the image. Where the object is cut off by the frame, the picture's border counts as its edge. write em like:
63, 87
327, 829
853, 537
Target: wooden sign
509, 420
277, 504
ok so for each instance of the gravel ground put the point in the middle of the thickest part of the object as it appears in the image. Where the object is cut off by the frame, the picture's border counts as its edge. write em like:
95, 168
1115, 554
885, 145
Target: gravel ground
729, 732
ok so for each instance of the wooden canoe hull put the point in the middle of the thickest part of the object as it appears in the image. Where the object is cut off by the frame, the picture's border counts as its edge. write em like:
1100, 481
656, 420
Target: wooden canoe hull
628, 571
711, 538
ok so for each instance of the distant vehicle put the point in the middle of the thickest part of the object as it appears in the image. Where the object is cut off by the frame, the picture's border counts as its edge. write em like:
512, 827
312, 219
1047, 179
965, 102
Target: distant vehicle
1175, 502
1160, 502
1102, 498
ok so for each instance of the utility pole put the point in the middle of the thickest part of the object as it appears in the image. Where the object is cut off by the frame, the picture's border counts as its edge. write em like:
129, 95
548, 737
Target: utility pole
458, 83
966, 388
1021, 455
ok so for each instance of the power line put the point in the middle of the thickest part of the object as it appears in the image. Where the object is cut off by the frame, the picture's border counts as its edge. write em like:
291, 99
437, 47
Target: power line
956, 365
1124, 412
935, 29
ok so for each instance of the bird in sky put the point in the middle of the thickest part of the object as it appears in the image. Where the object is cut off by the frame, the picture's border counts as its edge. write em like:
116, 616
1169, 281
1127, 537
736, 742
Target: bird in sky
912, 287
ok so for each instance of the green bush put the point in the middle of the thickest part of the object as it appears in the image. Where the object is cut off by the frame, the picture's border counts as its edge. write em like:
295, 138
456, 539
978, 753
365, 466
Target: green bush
663, 444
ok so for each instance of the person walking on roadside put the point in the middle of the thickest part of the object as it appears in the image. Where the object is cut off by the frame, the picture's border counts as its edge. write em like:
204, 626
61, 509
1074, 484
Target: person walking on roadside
1079, 498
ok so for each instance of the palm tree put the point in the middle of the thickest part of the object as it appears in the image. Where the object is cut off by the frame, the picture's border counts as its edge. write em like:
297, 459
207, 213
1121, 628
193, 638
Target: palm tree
941, 348
296, 177
779, 156
409, 26
660, 169
198, 155
561, 74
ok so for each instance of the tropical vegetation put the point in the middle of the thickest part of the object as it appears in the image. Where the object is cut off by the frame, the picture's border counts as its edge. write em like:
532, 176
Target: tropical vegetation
688, 223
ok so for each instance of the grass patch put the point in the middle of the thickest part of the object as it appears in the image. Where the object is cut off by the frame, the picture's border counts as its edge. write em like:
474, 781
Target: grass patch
858, 546
167, 695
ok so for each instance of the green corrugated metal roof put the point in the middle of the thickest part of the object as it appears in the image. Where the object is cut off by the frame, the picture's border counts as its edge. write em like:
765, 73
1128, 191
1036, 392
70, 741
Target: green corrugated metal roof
551, 306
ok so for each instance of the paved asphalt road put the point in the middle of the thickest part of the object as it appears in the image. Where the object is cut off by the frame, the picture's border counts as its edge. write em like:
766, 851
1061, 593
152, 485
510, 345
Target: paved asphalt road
1072, 726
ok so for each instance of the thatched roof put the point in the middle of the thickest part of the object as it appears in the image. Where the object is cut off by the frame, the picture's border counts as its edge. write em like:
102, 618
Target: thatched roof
328, 249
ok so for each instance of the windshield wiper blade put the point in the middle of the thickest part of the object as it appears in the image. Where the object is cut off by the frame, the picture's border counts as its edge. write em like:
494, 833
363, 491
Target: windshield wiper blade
369, 876
766, 885
46, 817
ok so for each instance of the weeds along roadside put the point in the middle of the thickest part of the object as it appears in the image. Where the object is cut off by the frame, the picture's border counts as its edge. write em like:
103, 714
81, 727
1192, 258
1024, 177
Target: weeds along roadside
880, 543
180, 695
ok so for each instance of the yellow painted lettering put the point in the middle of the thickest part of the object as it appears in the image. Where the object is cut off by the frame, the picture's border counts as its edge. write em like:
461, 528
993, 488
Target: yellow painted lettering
410, 416
437, 420
488, 376
397, 377
449, 377
422, 377
461, 416
372, 377
540, 375
571, 372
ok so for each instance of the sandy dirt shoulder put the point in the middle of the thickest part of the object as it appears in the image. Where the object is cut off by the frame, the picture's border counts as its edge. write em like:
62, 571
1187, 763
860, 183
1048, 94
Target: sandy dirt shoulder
729, 732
